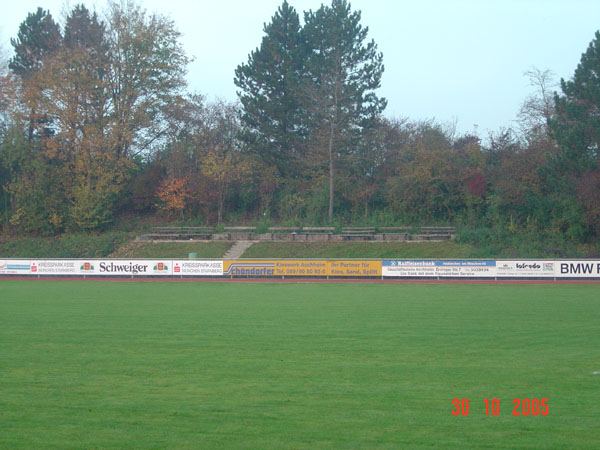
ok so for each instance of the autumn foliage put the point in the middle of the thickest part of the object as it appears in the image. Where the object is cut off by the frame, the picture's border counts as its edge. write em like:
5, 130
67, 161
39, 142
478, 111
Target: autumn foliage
173, 195
95, 122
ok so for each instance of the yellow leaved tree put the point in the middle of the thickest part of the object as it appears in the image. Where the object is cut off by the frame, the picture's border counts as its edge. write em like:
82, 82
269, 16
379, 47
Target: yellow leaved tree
223, 169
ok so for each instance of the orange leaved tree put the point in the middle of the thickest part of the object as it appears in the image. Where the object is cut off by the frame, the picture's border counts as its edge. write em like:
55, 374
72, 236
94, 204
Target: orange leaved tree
173, 194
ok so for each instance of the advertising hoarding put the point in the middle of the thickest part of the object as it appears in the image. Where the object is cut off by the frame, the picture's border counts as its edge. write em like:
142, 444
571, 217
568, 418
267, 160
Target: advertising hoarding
393, 268
198, 268
124, 267
58, 267
17, 267
302, 268
577, 269
428, 268
112, 267
526, 268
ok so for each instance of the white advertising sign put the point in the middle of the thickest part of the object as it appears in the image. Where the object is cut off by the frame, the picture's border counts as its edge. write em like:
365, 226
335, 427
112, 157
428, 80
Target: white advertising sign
18, 267
466, 268
525, 268
111, 267
197, 268
124, 267
57, 267
439, 268
408, 268
577, 269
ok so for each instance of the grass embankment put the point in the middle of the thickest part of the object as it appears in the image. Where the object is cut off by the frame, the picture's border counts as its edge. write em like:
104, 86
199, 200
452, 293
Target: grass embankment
215, 249
76, 245
102, 245
213, 365
500, 243
446, 249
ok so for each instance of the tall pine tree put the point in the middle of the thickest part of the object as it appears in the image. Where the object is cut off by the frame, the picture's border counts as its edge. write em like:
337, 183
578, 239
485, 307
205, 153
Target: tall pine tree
269, 90
575, 173
343, 72
576, 123
84, 30
38, 37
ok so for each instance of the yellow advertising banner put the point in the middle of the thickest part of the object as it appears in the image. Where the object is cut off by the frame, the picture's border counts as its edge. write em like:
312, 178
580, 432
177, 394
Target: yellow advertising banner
352, 268
302, 268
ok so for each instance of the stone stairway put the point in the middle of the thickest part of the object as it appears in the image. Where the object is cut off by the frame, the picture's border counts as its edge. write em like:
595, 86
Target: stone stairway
238, 249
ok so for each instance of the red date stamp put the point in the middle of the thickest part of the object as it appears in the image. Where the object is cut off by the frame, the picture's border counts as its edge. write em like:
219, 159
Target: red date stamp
520, 406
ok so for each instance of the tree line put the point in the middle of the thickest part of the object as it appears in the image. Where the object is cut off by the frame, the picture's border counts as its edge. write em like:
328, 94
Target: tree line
96, 122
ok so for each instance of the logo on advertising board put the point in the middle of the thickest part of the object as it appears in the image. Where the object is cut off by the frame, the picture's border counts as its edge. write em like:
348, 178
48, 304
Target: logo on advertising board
579, 268
57, 267
16, 267
123, 268
86, 267
209, 268
525, 268
528, 266
160, 267
408, 263
249, 268
34, 268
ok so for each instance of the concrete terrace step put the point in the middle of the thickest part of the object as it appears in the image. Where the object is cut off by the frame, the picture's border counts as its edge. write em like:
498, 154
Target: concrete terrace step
300, 234
238, 249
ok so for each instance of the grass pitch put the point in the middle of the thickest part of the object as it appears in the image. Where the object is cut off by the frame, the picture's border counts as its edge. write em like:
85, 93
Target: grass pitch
213, 365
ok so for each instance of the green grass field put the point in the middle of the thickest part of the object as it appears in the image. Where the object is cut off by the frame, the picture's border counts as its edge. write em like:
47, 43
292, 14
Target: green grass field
216, 365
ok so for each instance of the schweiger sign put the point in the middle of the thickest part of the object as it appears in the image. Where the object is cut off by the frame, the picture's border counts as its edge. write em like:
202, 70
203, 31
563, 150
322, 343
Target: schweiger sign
112, 267
126, 267
146, 267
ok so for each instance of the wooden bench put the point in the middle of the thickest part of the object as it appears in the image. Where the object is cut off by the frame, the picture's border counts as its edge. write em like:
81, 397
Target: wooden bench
358, 237
285, 229
241, 229
358, 233
431, 237
395, 229
318, 230
178, 233
358, 230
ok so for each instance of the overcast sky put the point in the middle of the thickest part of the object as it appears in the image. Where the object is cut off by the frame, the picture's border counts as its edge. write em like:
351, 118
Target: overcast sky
453, 60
